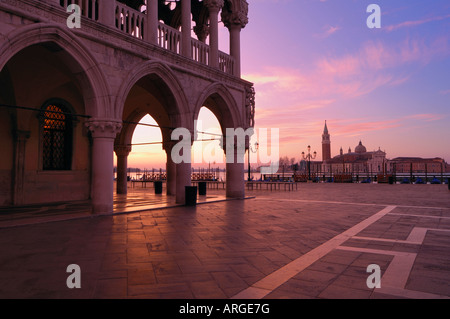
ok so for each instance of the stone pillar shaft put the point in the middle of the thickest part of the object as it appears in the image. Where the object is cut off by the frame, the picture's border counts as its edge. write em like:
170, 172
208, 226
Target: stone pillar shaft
152, 21
171, 173
186, 28
103, 133
107, 13
122, 153
235, 48
214, 7
235, 182
171, 170
18, 179
235, 18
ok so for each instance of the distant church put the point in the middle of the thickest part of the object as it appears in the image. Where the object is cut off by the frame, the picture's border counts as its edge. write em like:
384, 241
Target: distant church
359, 161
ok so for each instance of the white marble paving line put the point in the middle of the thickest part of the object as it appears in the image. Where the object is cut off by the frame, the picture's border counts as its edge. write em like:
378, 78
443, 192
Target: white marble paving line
421, 216
348, 203
269, 283
416, 237
396, 275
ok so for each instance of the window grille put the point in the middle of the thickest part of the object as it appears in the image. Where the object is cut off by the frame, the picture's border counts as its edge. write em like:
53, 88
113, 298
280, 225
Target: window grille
57, 139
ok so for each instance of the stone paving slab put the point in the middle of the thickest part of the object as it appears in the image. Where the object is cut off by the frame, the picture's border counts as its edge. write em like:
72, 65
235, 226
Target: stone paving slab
226, 249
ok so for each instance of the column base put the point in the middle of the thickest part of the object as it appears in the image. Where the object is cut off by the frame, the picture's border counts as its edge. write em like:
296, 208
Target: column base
102, 209
235, 194
235, 180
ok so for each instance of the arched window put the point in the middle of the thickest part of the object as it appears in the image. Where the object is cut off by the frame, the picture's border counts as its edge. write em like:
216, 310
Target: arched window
56, 138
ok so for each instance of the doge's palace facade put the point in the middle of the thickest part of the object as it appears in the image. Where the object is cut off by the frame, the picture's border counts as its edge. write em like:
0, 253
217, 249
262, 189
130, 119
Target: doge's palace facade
71, 96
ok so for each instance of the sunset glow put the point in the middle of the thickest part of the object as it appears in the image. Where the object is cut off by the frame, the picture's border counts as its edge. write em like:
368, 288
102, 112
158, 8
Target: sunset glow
389, 87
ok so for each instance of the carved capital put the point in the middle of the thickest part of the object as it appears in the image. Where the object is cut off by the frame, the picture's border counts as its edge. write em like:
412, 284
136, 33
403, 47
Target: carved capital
235, 13
103, 128
122, 150
202, 32
213, 5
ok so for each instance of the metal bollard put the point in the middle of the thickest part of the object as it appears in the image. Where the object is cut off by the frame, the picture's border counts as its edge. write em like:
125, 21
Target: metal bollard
158, 187
202, 188
191, 195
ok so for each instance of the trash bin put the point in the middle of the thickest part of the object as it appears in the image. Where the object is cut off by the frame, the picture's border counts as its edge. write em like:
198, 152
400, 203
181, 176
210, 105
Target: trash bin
391, 180
202, 188
191, 195
158, 187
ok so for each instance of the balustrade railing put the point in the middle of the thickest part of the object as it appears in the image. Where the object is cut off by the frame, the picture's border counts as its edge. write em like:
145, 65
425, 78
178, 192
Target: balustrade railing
134, 23
200, 51
226, 63
169, 38
89, 8
130, 21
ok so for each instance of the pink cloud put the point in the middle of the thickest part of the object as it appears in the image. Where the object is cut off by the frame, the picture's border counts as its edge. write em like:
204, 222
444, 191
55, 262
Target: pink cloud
358, 128
426, 117
328, 31
408, 24
348, 76
292, 98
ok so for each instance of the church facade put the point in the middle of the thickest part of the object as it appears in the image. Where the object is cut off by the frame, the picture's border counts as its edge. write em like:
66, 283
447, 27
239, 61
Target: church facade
359, 161
71, 94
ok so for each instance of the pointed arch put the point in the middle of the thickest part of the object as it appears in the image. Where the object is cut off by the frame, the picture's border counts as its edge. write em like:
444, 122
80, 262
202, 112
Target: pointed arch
94, 86
171, 88
218, 99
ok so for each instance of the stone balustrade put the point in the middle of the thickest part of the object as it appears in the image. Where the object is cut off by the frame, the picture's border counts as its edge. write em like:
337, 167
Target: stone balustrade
138, 24
129, 20
89, 8
169, 38
200, 51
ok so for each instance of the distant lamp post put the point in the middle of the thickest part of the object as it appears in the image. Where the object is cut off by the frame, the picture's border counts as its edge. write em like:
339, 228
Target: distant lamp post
308, 157
254, 150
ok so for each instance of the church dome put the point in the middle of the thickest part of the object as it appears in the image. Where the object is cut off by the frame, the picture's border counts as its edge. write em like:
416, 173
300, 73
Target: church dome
360, 148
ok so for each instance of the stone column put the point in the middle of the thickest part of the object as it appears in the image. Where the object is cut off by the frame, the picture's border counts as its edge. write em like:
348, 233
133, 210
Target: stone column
103, 132
20, 138
235, 48
235, 181
122, 152
107, 13
180, 154
214, 7
171, 170
235, 19
186, 23
152, 21
183, 178
171, 173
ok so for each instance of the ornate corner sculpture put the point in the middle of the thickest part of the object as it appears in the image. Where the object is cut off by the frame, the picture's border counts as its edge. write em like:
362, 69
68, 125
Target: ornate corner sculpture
213, 4
250, 105
235, 12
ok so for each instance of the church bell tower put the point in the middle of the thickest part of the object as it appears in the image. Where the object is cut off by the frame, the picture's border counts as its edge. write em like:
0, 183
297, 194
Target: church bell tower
326, 144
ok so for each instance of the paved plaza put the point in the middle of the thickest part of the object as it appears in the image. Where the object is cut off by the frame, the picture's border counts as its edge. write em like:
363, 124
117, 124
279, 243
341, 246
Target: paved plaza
314, 242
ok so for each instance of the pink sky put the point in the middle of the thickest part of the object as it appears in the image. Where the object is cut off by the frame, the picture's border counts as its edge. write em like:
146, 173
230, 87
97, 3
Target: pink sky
316, 60
387, 87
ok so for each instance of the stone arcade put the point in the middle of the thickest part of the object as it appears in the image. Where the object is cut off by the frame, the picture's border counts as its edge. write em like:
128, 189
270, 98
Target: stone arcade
69, 97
